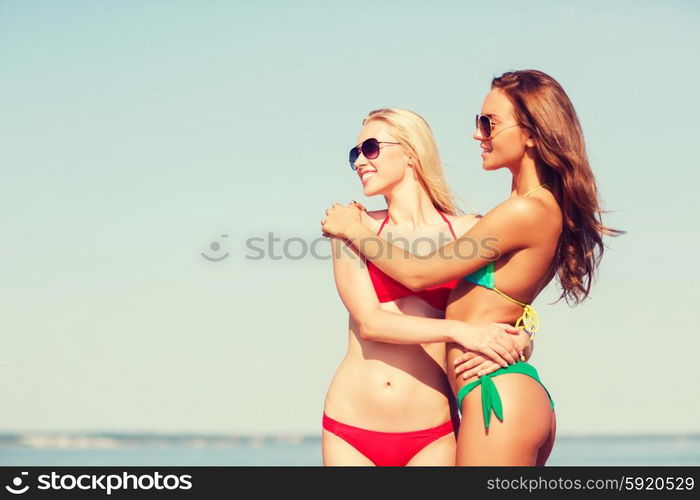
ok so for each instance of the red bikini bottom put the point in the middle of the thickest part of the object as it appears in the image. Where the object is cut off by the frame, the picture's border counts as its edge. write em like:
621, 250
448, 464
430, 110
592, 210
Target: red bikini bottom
387, 448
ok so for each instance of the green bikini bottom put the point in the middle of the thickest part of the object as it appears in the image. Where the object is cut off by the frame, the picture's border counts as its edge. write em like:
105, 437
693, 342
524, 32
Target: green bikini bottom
490, 399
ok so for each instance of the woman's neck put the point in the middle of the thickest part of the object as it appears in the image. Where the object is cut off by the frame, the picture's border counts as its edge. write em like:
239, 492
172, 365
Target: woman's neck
525, 178
409, 205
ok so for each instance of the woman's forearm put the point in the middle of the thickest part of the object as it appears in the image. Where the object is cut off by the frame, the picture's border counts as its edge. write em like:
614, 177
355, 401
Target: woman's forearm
396, 328
504, 229
393, 260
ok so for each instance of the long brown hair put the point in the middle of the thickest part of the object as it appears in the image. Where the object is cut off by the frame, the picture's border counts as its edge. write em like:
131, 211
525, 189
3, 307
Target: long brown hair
545, 111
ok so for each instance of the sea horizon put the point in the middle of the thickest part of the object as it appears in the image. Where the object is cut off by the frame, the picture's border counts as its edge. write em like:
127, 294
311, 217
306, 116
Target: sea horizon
114, 448
107, 439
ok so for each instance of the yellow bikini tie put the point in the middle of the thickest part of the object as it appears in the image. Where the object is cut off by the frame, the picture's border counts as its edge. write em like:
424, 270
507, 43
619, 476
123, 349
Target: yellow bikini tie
535, 189
529, 320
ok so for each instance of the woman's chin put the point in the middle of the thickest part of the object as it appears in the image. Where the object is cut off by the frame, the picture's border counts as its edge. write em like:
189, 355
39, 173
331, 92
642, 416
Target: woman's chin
368, 191
489, 166
377, 187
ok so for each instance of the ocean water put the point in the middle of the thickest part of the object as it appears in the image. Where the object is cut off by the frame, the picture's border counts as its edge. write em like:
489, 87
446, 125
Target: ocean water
122, 450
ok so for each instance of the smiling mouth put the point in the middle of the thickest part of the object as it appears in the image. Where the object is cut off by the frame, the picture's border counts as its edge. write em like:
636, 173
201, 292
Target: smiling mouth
366, 175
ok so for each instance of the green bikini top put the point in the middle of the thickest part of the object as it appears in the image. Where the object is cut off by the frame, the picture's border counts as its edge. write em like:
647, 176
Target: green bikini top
483, 277
486, 277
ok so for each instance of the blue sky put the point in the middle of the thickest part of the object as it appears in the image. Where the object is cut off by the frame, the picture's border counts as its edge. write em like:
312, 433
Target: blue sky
136, 133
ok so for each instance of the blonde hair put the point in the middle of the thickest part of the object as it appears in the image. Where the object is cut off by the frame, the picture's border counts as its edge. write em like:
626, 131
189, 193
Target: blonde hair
414, 134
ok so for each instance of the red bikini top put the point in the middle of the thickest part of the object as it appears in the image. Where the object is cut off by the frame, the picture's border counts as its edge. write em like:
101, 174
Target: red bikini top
389, 289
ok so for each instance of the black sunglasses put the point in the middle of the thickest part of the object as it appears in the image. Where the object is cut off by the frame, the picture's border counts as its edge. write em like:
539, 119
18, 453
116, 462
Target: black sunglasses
369, 147
485, 126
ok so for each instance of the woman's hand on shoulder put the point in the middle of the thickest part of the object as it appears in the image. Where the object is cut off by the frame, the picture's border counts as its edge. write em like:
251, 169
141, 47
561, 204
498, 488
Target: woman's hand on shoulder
340, 217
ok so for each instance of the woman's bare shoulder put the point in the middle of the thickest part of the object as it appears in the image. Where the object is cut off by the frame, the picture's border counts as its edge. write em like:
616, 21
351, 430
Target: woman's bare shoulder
373, 218
461, 224
525, 212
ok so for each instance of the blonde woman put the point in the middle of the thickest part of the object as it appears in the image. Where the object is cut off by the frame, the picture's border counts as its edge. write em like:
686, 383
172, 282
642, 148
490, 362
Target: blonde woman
390, 402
